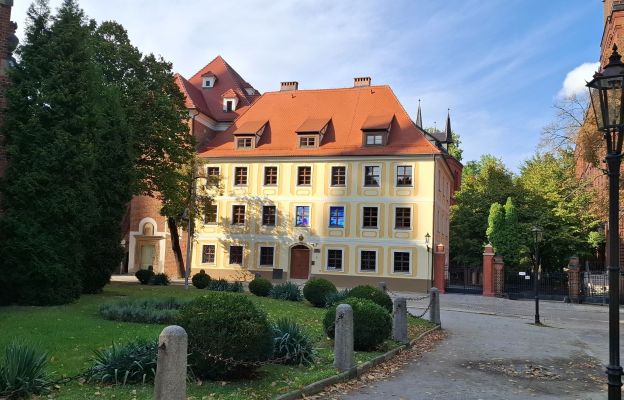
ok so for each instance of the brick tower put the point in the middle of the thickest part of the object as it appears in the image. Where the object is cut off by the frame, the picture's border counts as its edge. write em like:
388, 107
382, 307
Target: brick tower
215, 96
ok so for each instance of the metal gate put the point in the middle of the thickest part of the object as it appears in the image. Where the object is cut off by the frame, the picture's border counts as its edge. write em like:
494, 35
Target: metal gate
521, 285
464, 279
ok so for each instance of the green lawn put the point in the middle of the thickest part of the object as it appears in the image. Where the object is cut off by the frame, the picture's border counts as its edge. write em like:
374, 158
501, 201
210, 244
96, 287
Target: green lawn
70, 334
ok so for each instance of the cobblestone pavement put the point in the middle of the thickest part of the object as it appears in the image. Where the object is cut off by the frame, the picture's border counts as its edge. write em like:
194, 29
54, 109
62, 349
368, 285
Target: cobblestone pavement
493, 351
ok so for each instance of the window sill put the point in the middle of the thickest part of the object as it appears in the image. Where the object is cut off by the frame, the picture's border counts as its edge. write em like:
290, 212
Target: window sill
402, 229
270, 185
367, 272
370, 228
404, 186
266, 266
338, 186
333, 270
372, 186
336, 227
304, 185
302, 226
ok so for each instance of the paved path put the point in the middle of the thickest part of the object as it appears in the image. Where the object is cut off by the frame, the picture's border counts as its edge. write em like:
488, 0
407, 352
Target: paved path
493, 351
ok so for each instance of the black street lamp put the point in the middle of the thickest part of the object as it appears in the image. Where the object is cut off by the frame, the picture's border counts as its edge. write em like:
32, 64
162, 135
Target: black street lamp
606, 91
537, 237
427, 237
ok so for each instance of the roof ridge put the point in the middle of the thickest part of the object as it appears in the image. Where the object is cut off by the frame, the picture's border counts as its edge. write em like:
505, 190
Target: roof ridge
204, 67
328, 89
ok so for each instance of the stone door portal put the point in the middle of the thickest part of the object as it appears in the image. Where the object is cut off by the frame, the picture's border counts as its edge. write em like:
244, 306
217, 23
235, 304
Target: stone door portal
299, 262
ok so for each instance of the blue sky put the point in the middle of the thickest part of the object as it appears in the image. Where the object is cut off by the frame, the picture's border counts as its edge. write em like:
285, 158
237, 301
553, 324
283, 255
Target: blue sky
497, 64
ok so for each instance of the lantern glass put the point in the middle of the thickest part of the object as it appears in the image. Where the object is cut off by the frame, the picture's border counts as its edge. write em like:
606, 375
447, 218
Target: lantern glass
537, 234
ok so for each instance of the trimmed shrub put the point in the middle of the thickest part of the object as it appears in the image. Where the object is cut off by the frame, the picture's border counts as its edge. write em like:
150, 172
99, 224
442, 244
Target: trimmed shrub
23, 372
372, 293
151, 311
371, 323
335, 298
201, 279
223, 326
316, 290
160, 280
221, 285
260, 287
292, 344
144, 276
286, 291
133, 362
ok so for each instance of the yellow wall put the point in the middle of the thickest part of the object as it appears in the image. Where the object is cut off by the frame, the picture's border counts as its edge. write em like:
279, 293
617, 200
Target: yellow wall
320, 196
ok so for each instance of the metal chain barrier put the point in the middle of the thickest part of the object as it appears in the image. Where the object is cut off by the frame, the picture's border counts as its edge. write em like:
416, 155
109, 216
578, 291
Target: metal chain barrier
419, 298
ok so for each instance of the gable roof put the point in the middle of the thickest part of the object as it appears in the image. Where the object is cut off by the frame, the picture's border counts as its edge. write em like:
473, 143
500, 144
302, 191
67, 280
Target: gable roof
348, 109
209, 101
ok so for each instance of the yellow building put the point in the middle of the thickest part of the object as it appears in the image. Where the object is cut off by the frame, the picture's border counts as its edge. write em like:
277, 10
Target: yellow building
338, 183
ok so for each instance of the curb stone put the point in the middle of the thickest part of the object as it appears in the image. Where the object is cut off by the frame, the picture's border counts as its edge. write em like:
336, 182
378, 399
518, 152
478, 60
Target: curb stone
353, 373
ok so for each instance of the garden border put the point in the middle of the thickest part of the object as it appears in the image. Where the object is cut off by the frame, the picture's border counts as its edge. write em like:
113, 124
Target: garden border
357, 371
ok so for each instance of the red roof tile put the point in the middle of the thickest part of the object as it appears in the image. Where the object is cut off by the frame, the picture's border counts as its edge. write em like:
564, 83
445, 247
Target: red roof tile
250, 127
313, 125
348, 109
229, 94
209, 100
377, 122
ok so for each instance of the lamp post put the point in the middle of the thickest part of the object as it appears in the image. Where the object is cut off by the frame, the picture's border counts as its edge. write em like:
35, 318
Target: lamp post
606, 91
537, 237
427, 237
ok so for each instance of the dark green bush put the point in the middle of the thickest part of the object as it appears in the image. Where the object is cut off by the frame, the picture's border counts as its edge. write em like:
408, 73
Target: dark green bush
286, 291
23, 372
371, 323
291, 344
160, 280
201, 279
225, 326
144, 276
372, 293
316, 291
133, 362
221, 285
260, 287
151, 310
335, 298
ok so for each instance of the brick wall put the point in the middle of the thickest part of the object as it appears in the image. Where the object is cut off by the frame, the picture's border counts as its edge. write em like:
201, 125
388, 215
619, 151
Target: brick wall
7, 43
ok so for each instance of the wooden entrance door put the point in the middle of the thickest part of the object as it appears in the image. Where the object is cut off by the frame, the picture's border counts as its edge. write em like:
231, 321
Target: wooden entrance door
299, 262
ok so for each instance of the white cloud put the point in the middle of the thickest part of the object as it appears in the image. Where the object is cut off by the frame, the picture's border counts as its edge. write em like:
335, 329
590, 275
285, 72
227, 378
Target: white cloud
575, 80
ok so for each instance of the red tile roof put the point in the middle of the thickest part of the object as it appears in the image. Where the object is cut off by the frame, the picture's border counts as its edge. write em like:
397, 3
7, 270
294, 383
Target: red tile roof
313, 125
229, 94
348, 108
209, 101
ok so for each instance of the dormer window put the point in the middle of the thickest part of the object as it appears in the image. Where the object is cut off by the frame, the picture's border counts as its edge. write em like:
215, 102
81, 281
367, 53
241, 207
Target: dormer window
244, 143
376, 130
375, 139
307, 142
230, 100
250, 91
229, 105
208, 80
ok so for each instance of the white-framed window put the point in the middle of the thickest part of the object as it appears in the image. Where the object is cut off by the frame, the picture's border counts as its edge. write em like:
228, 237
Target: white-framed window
334, 260
307, 142
370, 217
302, 216
267, 256
211, 214
213, 175
208, 255
304, 175
236, 254
244, 143
269, 215
401, 262
339, 175
240, 176
270, 175
404, 175
372, 175
368, 260
238, 214
403, 217
208, 81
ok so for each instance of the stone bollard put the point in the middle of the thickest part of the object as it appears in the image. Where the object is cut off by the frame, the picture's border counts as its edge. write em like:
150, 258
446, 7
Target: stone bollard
434, 307
383, 287
343, 338
170, 382
399, 320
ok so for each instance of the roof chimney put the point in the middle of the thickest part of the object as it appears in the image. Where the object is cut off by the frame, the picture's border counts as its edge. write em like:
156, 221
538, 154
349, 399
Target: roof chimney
362, 81
288, 86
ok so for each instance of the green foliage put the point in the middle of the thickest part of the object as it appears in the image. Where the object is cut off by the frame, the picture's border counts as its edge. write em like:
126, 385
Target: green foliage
133, 362
260, 287
373, 294
335, 298
23, 372
454, 149
144, 276
161, 279
484, 182
316, 291
292, 344
222, 285
223, 326
371, 323
201, 279
595, 239
151, 311
504, 233
286, 291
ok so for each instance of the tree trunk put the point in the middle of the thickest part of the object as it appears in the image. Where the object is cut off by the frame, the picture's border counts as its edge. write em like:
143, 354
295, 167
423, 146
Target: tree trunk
175, 244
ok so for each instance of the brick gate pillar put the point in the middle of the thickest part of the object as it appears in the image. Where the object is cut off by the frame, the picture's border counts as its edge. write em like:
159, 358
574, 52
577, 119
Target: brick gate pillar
498, 278
439, 258
488, 270
574, 280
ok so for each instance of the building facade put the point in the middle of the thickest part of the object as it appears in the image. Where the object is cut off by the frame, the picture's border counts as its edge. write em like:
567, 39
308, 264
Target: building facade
338, 183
